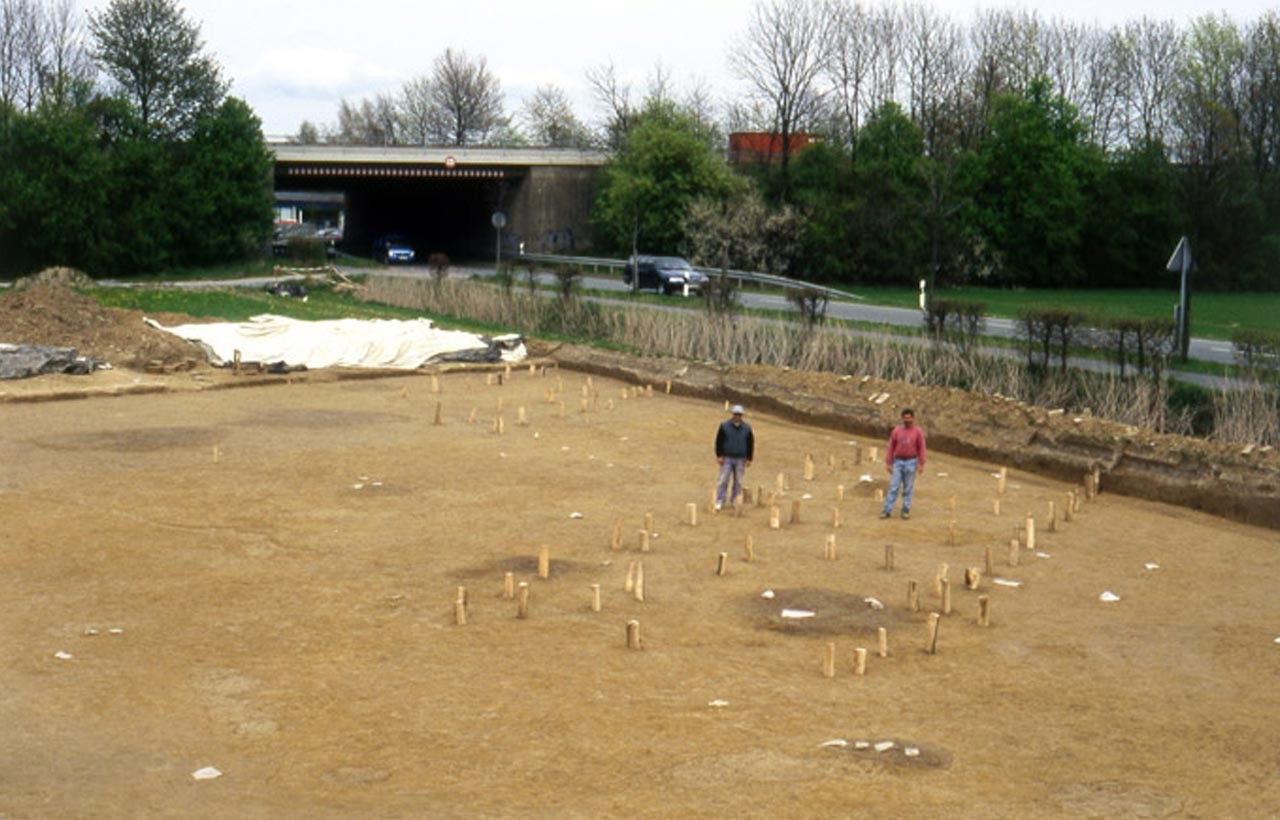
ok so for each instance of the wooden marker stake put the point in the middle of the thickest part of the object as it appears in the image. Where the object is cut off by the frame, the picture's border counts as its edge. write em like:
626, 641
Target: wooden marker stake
633, 635
972, 577
508, 586
888, 557
435, 384
616, 542
750, 550
808, 467
711, 500
984, 610
931, 642
630, 584
839, 492
951, 532
668, 387
437, 420
874, 454
1031, 532
782, 483
829, 660
644, 540
913, 596
775, 518
722, 564
471, 417
522, 418
835, 518
648, 521
860, 661
995, 506
1013, 552
639, 590
522, 601
882, 642
939, 578
595, 597
562, 410
987, 562
551, 396
946, 597
829, 551
795, 511
1053, 517
1001, 480
544, 563
691, 514
879, 496
460, 612
759, 496
1068, 512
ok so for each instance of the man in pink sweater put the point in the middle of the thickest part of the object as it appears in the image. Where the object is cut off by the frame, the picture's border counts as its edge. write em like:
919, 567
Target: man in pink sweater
903, 457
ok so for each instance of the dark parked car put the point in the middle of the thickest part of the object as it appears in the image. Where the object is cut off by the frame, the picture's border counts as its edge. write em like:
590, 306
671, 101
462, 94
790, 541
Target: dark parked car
668, 274
391, 249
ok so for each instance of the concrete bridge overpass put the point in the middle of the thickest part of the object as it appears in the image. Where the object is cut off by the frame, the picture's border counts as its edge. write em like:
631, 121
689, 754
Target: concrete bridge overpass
443, 198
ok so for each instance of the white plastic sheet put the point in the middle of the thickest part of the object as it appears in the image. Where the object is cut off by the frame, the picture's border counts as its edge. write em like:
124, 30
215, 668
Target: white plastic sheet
390, 343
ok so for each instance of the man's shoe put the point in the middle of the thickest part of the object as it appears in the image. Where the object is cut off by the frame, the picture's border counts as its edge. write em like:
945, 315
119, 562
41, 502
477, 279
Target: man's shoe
905, 515
719, 505
884, 515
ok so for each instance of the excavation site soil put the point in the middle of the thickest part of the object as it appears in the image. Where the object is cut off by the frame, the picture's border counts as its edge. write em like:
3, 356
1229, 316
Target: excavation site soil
244, 603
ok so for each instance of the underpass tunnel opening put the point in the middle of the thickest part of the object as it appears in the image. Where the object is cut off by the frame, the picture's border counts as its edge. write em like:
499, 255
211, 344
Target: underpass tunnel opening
437, 215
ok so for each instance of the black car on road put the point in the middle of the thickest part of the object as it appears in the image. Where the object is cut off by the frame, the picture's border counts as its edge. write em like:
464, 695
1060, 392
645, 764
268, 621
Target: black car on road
389, 249
667, 274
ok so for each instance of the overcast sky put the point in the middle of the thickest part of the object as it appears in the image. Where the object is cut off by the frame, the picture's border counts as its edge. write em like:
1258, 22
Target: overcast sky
295, 61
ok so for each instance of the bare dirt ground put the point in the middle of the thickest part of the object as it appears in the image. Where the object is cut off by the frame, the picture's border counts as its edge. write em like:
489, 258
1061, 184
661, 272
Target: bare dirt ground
263, 581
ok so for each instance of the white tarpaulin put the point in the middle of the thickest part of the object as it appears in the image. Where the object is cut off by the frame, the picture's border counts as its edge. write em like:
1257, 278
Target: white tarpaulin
392, 343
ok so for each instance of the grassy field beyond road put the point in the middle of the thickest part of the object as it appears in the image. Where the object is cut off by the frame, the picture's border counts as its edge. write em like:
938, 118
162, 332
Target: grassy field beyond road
1213, 315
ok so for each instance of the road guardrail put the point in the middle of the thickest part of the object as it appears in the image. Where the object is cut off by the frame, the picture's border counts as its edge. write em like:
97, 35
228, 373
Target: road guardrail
787, 283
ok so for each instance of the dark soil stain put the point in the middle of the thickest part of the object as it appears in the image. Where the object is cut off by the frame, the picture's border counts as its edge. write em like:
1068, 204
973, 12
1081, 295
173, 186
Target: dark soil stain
134, 441
318, 418
835, 613
519, 565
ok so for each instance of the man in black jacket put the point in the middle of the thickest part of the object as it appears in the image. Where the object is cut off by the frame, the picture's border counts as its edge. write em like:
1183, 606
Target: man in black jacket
735, 447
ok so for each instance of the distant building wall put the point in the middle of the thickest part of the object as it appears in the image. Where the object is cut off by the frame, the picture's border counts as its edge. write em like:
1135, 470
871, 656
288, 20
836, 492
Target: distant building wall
762, 146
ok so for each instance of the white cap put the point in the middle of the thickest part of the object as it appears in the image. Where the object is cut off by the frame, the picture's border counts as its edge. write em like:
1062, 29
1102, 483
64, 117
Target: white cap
736, 410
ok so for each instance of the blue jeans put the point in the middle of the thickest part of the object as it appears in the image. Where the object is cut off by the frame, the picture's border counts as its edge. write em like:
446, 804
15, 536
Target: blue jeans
735, 467
904, 476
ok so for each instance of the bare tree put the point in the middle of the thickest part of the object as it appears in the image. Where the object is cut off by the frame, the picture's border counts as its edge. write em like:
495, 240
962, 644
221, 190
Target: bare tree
68, 68
549, 120
933, 48
1262, 94
853, 50
372, 122
614, 97
415, 111
466, 97
1148, 55
781, 57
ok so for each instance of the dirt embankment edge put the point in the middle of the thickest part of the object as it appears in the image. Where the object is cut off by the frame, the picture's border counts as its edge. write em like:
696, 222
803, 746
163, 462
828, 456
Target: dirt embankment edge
1229, 480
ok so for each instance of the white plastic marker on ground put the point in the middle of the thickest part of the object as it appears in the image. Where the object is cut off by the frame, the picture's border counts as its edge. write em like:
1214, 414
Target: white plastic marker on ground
718, 704
1151, 566
1005, 582
207, 773
576, 515
884, 745
1108, 597
874, 603
768, 593
797, 613
63, 656
401, 344
911, 751
838, 743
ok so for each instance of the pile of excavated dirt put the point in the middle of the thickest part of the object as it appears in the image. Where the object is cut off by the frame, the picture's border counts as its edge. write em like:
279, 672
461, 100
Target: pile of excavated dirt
42, 314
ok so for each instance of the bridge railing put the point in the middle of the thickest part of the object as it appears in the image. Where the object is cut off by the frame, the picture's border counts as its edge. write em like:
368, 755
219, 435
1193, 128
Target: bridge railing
740, 276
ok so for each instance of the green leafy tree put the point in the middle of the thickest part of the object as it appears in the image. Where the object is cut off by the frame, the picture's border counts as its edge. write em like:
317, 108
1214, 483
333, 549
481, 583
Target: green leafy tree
890, 232
224, 185
52, 191
1027, 182
155, 57
667, 161
822, 188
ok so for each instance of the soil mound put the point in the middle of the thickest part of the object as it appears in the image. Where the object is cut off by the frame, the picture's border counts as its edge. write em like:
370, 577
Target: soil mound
54, 315
58, 277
